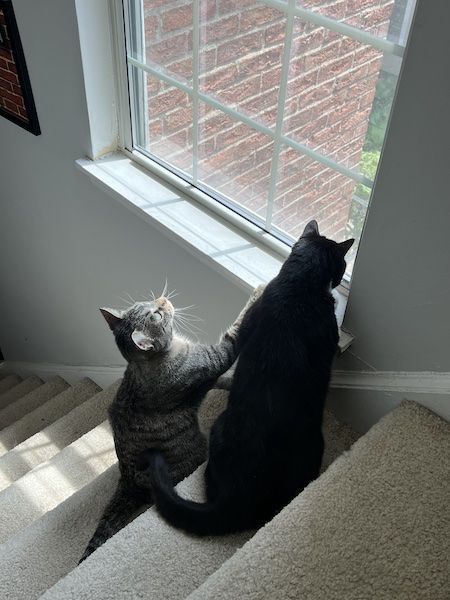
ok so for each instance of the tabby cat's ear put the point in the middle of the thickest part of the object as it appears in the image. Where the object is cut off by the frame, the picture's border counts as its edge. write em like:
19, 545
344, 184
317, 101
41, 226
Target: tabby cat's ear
113, 317
311, 229
345, 246
142, 341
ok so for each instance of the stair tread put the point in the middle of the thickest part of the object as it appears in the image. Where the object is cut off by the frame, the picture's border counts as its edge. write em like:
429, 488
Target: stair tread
32, 400
47, 413
38, 556
45, 444
55, 542
50, 483
8, 382
375, 525
24, 387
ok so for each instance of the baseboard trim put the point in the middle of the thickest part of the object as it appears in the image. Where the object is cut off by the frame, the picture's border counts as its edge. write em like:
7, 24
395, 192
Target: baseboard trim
417, 382
359, 398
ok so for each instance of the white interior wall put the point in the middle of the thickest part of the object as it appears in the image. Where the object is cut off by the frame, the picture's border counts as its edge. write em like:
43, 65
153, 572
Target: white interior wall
65, 246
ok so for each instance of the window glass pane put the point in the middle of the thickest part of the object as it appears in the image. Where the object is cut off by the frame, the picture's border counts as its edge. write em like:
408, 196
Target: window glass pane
241, 48
234, 159
335, 107
168, 37
307, 189
167, 128
331, 87
383, 18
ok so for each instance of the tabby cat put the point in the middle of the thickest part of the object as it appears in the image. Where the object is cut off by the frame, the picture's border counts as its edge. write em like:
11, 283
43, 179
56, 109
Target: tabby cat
267, 445
166, 378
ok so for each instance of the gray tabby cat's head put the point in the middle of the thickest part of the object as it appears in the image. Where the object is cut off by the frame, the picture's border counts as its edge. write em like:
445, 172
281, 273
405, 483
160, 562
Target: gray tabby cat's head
143, 329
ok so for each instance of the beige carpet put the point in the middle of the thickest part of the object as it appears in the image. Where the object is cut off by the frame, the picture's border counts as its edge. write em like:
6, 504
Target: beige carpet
7, 382
49, 412
42, 446
165, 562
21, 407
375, 525
17, 391
50, 483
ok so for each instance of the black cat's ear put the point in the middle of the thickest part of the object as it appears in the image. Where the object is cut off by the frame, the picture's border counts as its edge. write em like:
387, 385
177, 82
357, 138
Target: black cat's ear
311, 229
142, 341
112, 317
345, 246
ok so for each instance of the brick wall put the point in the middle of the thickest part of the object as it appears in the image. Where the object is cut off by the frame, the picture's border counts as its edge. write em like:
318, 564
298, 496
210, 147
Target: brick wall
11, 98
331, 85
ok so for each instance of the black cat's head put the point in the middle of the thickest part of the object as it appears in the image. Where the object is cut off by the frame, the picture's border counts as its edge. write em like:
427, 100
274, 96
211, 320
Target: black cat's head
327, 256
143, 329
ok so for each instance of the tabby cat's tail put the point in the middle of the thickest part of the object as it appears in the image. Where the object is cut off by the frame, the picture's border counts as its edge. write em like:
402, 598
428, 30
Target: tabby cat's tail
193, 517
123, 506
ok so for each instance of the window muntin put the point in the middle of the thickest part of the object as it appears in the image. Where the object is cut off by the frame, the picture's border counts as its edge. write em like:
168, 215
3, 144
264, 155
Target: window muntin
277, 109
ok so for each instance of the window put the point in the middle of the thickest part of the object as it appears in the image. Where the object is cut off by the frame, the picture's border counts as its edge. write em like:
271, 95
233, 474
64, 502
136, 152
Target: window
276, 108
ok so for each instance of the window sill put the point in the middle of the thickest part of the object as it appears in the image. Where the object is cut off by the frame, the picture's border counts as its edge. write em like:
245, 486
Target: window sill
226, 242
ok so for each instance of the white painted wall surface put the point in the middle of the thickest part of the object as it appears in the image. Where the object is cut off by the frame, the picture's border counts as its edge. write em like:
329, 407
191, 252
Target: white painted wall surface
66, 247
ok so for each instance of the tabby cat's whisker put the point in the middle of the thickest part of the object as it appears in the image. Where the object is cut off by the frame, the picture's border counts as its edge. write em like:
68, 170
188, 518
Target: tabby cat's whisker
163, 293
122, 299
130, 297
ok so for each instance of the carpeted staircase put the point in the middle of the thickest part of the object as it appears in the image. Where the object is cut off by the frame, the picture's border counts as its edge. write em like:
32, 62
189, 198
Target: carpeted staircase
375, 524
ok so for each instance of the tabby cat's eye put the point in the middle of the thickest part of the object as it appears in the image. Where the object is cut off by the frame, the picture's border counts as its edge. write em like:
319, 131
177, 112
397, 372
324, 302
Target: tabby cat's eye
156, 316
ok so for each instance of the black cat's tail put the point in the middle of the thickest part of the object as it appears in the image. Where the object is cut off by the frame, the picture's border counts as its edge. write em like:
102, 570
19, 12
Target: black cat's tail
193, 517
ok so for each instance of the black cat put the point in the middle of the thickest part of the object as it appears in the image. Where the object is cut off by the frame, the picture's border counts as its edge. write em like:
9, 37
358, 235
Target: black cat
268, 445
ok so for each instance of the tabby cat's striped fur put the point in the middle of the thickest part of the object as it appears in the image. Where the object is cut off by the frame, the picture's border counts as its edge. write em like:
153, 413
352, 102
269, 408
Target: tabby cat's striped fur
156, 405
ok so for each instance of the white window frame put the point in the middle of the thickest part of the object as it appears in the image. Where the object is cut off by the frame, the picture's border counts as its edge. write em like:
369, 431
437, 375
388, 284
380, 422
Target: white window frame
275, 239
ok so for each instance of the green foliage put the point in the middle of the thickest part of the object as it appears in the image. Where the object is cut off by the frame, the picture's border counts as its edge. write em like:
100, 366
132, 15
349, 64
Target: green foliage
381, 109
368, 166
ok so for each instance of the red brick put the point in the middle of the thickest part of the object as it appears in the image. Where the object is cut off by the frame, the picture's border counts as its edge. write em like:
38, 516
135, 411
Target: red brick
219, 30
334, 69
9, 76
23, 113
242, 91
182, 117
15, 98
177, 18
219, 79
274, 34
152, 4
169, 49
239, 46
4, 64
208, 10
271, 78
261, 62
227, 6
233, 135
11, 106
151, 24
16, 89
166, 101
206, 148
155, 128
12, 67
5, 85
214, 125
259, 17
319, 56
